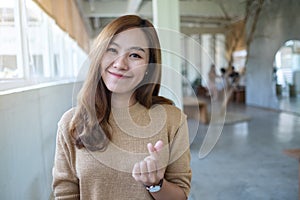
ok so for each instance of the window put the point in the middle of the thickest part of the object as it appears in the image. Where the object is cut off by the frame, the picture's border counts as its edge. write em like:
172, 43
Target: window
33, 48
9, 41
36, 35
287, 69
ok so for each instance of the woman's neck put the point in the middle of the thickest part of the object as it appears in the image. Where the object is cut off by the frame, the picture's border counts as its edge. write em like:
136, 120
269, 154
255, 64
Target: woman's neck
122, 100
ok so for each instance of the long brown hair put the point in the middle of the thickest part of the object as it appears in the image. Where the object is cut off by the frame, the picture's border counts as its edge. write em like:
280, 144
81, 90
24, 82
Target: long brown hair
89, 126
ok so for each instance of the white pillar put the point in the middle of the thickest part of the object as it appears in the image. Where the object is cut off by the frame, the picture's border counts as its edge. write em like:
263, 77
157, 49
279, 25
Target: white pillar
167, 21
220, 52
193, 59
206, 57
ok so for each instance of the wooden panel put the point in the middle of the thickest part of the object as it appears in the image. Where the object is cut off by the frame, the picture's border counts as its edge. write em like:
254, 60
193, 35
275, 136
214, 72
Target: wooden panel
59, 13
67, 17
46, 5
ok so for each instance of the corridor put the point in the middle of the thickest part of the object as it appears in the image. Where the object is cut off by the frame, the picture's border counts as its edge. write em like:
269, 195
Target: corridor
248, 161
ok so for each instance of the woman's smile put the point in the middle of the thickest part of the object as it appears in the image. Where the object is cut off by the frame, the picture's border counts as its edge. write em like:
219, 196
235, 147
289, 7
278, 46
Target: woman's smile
118, 75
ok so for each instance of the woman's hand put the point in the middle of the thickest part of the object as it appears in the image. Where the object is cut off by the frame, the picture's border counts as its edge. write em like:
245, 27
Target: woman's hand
150, 170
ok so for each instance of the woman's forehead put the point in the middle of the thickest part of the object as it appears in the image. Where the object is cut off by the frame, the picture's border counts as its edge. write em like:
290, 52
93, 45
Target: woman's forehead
131, 37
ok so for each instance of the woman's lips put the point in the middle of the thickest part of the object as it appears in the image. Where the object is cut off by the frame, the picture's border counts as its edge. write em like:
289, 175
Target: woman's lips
117, 75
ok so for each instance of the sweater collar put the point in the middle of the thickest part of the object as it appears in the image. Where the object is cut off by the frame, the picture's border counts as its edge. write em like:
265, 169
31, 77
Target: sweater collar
129, 111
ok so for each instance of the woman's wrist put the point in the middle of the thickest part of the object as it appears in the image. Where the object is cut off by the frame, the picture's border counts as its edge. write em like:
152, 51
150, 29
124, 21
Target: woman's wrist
156, 187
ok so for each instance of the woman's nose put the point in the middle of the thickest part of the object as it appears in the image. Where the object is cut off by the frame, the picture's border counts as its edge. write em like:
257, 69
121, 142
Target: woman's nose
121, 63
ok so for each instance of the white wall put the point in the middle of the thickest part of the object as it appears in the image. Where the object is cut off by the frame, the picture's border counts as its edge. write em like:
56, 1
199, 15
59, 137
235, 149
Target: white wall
28, 122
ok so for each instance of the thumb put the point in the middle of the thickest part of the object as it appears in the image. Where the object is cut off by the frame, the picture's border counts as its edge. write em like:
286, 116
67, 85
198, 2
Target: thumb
151, 148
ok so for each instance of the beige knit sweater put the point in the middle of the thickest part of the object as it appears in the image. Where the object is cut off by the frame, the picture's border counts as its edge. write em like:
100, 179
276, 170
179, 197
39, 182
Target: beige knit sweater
82, 174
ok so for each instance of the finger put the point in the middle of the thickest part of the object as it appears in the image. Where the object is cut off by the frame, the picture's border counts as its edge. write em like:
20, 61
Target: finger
151, 164
143, 167
158, 145
136, 173
144, 171
152, 171
152, 152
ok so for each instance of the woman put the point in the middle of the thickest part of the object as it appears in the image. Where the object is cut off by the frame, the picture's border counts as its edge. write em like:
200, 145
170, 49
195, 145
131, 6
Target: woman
123, 141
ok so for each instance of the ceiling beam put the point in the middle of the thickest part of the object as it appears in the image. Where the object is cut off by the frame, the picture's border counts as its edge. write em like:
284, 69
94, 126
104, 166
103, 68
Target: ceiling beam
196, 16
205, 20
201, 30
187, 8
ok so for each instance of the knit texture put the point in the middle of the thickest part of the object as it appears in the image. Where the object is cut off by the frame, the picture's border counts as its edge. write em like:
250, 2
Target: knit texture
82, 174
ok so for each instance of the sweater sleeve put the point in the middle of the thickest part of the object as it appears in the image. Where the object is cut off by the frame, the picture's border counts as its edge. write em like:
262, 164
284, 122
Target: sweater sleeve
178, 170
65, 183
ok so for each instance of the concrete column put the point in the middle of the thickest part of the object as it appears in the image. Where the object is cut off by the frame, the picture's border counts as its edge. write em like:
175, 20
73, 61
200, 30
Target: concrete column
193, 59
220, 52
206, 55
167, 21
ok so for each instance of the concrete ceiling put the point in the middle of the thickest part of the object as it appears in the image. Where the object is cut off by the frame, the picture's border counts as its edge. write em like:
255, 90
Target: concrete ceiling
197, 16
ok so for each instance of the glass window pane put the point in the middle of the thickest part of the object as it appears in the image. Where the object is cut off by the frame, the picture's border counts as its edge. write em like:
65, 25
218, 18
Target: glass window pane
57, 41
8, 41
36, 39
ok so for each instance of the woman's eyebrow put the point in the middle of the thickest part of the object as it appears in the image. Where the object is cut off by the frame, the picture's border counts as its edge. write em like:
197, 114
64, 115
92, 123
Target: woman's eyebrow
138, 49
113, 43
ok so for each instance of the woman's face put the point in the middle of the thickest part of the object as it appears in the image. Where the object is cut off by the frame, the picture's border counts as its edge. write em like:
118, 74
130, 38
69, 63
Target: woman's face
125, 61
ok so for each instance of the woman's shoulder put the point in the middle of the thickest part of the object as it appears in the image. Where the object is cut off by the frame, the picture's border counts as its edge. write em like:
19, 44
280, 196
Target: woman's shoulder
66, 118
171, 108
63, 135
172, 112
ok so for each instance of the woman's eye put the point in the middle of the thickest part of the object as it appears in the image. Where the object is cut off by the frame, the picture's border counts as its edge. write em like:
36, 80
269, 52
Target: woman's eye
135, 55
113, 50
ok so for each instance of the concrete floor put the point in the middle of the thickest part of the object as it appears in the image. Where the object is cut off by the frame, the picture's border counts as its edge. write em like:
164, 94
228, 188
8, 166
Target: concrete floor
291, 105
248, 162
